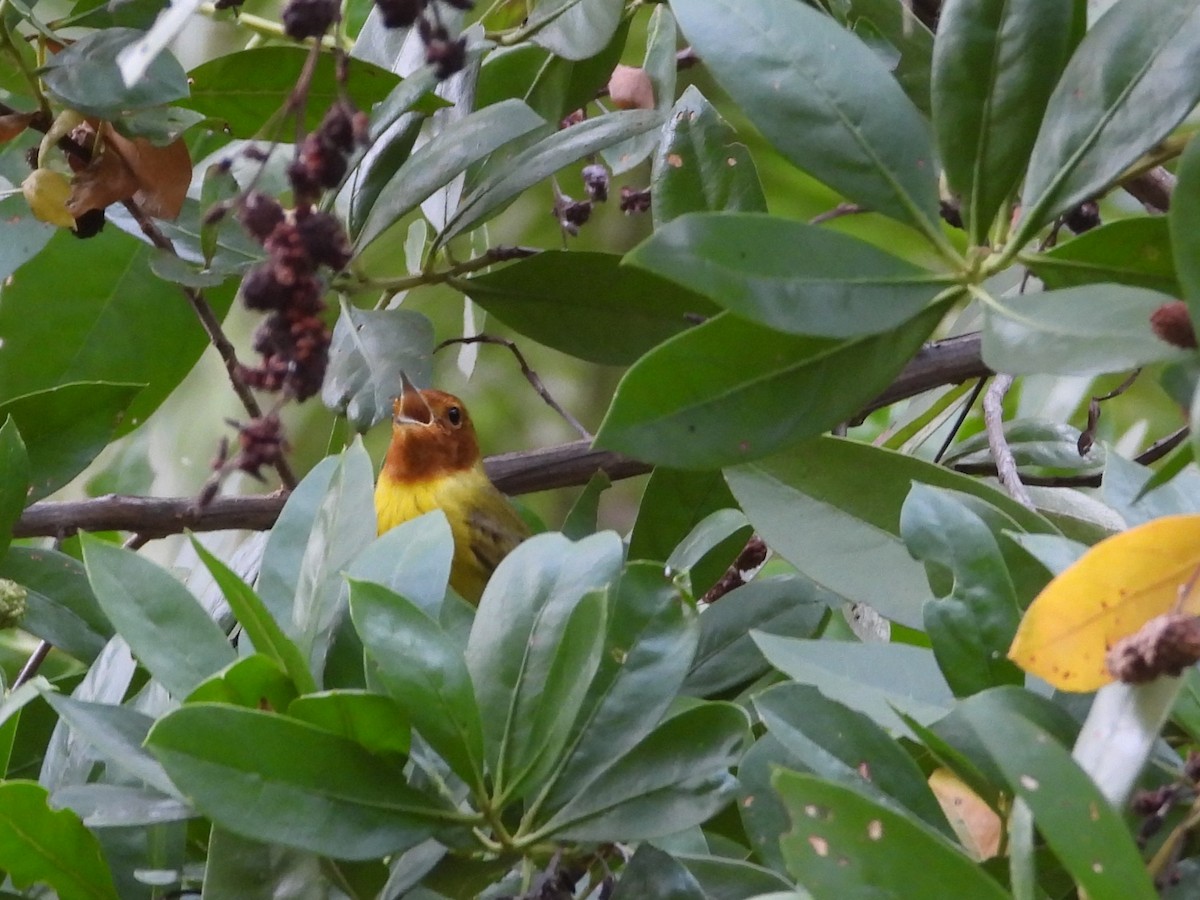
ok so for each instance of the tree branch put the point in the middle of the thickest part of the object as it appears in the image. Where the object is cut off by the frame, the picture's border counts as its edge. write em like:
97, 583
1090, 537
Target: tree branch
940, 363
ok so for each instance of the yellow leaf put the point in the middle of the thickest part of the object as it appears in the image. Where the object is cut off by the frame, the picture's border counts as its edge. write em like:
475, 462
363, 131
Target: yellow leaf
46, 192
974, 822
1109, 593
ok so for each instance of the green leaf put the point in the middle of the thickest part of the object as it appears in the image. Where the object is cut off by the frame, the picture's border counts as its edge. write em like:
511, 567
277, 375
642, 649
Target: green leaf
678, 776
424, 672
842, 844
1087, 835
727, 655
116, 734
1128, 251
252, 614
102, 805
788, 276
846, 747
552, 86
542, 160
413, 559
460, 144
165, 627
908, 43
581, 519
823, 98
14, 484
1034, 443
272, 778
1076, 331
760, 391
369, 351
370, 720
700, 166
971, 627
255, 682
39, 844
59, 606
85, 331
84, 76
995, 63
512, 653
1122, 92
653, 873
707, 534
878, 680
650, 639
575, 29
809, 506
1184, 221
587, 304
320, 530
672, 504
763, 816
393, 132
954, 740
246, 90
253, 870
24, 234
65, 428
733, 879
660, 67
219, 187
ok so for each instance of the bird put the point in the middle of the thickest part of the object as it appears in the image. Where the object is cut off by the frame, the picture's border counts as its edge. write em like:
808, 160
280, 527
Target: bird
433, 462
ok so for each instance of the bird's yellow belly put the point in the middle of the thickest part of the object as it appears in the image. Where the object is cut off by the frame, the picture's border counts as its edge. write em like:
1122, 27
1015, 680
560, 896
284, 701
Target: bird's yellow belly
396, 504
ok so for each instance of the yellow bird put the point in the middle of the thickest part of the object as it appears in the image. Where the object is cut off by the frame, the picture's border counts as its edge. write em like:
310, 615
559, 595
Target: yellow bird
433, 463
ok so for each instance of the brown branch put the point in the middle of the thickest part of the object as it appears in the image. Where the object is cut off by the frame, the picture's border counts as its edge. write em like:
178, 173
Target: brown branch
943, 362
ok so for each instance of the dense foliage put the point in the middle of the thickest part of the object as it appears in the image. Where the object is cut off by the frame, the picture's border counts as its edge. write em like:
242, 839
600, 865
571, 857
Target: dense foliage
900, 296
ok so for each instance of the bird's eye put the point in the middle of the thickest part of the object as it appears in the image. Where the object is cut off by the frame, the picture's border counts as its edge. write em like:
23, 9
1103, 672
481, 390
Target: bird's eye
454, 414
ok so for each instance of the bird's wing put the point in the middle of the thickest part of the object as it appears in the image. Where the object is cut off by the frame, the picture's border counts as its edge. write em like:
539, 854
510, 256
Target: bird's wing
495, 530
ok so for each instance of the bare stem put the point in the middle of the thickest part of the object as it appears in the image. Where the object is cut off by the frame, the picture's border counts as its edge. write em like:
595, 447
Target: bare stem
993, 419
530, 375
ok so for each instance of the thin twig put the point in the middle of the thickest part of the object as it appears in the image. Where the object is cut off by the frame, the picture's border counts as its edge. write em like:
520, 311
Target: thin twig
962, 417
530, 375
993, 420
842, 209
32, 664
1151, 454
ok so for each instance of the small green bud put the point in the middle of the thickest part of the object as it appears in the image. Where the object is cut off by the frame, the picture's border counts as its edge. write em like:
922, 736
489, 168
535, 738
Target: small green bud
12, 603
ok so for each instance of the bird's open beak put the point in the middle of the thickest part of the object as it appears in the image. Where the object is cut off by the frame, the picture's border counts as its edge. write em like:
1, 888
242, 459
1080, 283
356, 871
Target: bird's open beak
413, 412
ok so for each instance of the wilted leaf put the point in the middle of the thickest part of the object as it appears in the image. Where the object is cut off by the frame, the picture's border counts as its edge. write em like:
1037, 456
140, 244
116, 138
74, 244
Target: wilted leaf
1111, 592
975, 823
157, 178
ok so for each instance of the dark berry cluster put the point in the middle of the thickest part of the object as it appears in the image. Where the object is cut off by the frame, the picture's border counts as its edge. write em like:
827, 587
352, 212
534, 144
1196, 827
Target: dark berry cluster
309, 18
573, 214
1154, 805
320, 162
446, 54
293, 339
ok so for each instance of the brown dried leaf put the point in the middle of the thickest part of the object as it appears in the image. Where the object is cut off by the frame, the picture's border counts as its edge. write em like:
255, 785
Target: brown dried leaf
630, 88
975, 823
103, 181
156, 178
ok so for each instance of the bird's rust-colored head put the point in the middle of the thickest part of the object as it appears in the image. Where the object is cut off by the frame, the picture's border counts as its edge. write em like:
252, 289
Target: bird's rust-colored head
432, 436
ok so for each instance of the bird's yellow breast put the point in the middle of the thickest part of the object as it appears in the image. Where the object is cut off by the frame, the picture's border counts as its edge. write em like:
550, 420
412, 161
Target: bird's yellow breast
475, 509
